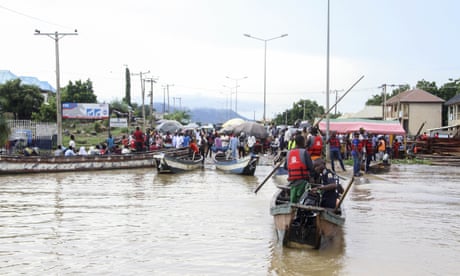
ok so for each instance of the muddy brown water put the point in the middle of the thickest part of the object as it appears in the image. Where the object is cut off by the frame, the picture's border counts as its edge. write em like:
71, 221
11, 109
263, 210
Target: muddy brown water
136, 222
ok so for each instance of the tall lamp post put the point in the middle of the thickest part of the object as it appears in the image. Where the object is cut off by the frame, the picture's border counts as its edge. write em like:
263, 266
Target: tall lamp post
265, 66
56, 36
236, 89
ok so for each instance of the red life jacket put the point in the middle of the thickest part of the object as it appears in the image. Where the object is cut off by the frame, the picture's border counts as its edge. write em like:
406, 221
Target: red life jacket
317, 147
297, 169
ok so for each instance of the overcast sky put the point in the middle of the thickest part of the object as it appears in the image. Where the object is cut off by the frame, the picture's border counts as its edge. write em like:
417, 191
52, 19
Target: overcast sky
194, 44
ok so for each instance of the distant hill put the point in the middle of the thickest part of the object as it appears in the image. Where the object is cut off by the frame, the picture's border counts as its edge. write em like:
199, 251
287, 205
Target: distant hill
207, 115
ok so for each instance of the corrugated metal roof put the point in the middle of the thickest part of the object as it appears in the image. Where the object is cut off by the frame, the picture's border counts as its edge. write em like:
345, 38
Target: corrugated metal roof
6, 75
454, 100
415, 96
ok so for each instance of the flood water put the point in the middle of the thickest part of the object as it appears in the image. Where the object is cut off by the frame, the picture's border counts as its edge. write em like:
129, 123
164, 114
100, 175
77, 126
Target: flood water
137, 222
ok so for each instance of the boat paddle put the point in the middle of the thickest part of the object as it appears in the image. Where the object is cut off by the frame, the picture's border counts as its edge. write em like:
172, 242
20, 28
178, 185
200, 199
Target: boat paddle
345, 193
268, 176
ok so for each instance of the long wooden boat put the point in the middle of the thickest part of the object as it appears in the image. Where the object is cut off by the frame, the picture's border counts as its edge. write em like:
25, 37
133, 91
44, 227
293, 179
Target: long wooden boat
39, 164
244, 166
304, 224
177, 162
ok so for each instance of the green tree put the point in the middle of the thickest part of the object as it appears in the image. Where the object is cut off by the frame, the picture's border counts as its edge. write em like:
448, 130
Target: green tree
427, 86
377, 99
47, 112
304, 110
127, 98
446, 92
80, 92
20, 100
181, 116
120, 106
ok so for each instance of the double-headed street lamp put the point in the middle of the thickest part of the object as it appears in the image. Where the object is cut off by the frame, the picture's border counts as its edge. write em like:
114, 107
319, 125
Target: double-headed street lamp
56, 36
265, 66
236, 90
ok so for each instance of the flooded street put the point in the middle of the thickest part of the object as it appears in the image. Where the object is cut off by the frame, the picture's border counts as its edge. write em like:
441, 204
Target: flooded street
137, 222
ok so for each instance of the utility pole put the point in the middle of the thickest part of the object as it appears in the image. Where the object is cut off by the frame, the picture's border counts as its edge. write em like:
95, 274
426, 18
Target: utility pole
384, 92
236, 90
56, 36
164, 99
143, 94
174, 102
167, 91
152, 81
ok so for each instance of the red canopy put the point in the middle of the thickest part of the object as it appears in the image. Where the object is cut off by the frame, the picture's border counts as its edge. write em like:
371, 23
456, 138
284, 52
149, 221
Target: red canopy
370, 126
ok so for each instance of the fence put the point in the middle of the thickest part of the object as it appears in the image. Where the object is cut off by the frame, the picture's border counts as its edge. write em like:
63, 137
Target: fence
33, 134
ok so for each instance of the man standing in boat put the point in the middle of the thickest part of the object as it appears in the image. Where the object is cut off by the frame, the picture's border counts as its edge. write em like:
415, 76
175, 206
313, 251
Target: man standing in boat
299, 167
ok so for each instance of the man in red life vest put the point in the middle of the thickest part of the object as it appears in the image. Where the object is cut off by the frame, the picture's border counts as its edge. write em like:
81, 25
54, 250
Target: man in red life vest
300, 168
315, 144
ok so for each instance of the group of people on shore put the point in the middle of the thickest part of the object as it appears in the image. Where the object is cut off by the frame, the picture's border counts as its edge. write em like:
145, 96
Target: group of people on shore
305, 164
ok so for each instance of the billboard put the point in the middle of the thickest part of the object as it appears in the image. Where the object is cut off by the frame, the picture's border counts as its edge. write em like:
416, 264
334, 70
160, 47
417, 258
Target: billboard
85, 111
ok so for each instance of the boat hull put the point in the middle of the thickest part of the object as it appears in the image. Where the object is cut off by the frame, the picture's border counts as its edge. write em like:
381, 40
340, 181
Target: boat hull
177, 164
300, 225
243, 166
47, 164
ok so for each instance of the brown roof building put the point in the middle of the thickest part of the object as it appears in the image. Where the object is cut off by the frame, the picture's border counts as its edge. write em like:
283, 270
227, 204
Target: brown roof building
414, 108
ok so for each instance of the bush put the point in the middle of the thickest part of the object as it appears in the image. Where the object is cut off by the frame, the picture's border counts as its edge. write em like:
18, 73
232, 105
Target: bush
98, 127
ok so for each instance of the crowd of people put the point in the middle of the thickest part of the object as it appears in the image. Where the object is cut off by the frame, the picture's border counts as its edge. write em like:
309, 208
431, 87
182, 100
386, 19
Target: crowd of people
305, 151
199, 141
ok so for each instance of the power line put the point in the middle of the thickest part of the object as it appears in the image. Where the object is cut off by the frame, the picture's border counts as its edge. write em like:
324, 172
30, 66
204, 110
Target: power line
34, 18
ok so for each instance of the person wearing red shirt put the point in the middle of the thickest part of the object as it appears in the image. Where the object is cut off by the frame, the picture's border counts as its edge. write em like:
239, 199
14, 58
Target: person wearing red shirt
139, 139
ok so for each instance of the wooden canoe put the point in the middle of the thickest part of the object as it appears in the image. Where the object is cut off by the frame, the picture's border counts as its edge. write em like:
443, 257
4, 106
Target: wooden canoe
244, 166
51, 164
303, 225
178, 162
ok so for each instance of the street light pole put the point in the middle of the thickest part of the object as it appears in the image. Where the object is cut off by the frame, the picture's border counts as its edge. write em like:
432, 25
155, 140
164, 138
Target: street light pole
265, 66
56, 36
231, 92
236, 90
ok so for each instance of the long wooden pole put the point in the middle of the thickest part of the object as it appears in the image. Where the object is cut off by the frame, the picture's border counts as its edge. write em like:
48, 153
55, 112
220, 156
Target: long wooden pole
345, 192
341, 97
268, 176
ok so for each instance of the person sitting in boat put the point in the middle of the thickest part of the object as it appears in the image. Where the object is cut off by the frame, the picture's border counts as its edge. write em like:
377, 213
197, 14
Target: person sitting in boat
125, 150
28, 151
82, 151
58, 151
328, 185
300, 168
69, 152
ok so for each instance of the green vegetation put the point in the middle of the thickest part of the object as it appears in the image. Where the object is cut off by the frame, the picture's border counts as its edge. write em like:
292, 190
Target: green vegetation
90, 133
